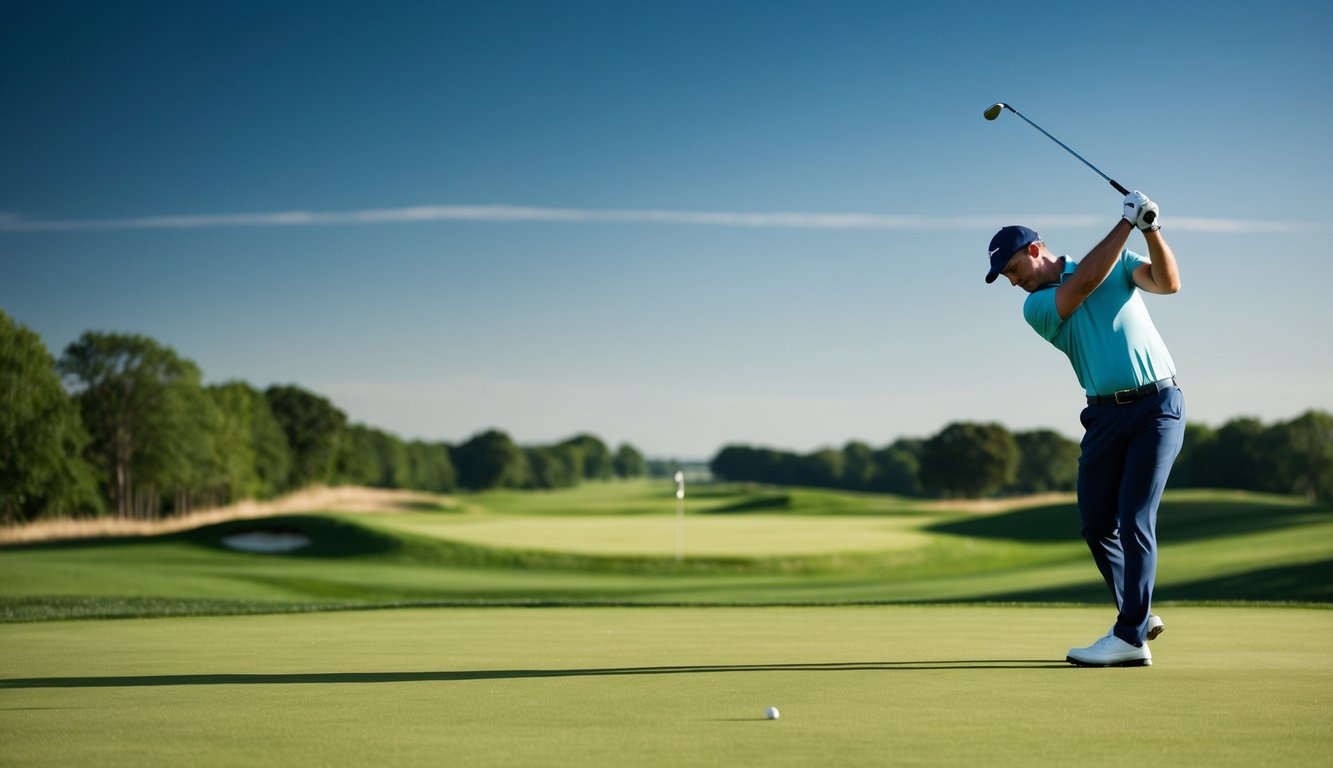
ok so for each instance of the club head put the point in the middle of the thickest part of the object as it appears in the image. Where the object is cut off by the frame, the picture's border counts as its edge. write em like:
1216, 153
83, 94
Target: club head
993, 111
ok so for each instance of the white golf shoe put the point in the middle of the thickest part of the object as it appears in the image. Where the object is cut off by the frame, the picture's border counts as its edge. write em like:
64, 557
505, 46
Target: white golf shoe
1111, 651
1155, 626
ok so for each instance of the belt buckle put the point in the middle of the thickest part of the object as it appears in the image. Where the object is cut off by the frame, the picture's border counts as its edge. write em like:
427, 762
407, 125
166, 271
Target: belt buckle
1129, 396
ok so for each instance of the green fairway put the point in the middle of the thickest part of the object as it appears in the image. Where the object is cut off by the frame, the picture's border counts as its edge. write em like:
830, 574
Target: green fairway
614, 543
884, 685
387, 640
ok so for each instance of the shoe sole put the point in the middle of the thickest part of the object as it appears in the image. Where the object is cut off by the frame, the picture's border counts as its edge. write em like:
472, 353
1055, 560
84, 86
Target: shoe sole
1155, 631
1128, 663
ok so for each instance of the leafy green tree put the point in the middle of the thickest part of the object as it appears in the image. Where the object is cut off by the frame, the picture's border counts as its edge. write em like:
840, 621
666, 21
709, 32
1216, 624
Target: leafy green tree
821, 469
898, 468
1234, 459
273, 455
358, 461
858, 466
556, 466
969, 460
1190, 470
629, 462
42, 438
1300, 453
431, 469
743, 463
490, 460
147, 414
314, 429
734, 462
252, 453
1048, 461
369, 456
233, 441
597, 461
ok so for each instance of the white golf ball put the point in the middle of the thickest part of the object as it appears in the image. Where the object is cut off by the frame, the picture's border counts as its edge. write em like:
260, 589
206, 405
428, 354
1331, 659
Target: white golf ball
772, 713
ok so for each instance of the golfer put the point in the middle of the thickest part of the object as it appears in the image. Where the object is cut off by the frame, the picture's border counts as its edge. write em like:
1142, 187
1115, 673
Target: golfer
1134, 422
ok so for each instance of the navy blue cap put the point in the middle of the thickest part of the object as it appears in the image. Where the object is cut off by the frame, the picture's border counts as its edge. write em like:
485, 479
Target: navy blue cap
1005, 244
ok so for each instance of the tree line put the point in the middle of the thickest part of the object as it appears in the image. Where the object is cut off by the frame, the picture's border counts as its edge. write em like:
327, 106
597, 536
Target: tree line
121, 424
971, 460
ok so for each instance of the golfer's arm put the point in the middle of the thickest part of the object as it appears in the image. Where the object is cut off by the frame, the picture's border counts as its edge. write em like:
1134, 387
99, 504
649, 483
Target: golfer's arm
1162, 275
1092, 270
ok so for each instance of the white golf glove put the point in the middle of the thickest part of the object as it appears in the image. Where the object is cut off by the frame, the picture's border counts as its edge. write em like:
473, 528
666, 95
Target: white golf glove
1140, 211
1148, 218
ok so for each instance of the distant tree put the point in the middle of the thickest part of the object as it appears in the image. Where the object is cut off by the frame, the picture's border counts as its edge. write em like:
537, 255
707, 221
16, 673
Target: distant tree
898, 468
148, 416
431, 468
490, 460
555, 466
42, 438
252, 451
1190, 469
1300, 454
858, 466
969, 460
733, 462
1234, 459
358, 461
597, 460
369, 456
628, 462
314, 429
234, 461
820, 469
1047, 461
743, 463
273, 454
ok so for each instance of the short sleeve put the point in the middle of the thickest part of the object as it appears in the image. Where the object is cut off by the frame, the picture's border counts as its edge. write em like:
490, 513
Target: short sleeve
1130, 261
1040, 312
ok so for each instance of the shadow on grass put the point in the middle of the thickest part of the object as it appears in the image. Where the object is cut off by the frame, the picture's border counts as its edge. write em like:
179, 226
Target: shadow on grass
426, 506
329, 537
1304, 583
764, 503
1312, 582
320, 678
1177, 521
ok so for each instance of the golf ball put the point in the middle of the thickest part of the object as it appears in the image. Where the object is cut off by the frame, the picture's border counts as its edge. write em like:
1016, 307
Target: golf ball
772, 713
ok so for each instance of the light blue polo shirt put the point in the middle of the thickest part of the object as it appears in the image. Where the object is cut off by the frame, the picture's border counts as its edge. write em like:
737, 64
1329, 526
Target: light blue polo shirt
1110, 339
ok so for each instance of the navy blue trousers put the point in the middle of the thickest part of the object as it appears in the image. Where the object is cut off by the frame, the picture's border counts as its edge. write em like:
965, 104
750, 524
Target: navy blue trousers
1127, 453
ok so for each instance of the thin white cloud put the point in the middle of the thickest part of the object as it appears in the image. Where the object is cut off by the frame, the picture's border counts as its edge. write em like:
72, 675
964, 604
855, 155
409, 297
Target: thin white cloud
510, 213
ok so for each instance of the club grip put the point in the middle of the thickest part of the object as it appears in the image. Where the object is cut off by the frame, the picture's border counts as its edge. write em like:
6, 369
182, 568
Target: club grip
1118, 188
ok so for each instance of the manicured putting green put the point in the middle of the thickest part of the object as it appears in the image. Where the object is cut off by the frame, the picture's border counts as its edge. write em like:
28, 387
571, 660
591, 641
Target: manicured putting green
671, 686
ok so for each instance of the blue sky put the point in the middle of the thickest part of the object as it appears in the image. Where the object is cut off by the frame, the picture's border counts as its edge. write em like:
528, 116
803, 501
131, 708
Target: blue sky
675, 224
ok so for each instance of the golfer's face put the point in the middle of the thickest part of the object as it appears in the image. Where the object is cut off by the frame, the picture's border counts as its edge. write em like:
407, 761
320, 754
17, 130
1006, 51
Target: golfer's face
1022, 271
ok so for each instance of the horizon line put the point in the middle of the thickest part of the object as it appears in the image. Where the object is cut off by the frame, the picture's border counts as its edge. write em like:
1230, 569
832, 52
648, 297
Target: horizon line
529, 214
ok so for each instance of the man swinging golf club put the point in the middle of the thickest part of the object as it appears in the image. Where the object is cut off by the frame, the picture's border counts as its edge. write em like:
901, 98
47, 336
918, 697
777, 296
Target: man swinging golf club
1092, 311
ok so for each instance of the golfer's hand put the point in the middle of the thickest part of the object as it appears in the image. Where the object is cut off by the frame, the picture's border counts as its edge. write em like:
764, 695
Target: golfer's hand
1149, 221
1139, 210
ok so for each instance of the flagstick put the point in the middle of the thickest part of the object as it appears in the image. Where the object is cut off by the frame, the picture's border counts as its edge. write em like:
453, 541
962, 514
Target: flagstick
680, 516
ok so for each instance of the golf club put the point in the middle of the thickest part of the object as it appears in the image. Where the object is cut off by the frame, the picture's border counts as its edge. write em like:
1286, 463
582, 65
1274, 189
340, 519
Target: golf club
993, 111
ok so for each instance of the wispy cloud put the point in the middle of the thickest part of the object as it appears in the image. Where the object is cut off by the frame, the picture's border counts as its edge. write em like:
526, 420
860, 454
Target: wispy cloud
519, 214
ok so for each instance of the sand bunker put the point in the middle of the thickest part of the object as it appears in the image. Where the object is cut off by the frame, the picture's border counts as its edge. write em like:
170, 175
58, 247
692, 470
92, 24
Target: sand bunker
263, 541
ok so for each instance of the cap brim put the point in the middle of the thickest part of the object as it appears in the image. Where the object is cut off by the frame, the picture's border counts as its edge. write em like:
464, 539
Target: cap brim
990, 277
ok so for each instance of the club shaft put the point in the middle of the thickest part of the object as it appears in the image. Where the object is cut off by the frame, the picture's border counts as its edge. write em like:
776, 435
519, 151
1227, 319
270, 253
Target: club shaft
1114, 183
